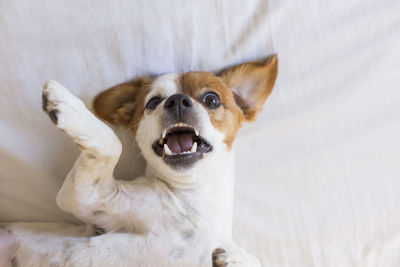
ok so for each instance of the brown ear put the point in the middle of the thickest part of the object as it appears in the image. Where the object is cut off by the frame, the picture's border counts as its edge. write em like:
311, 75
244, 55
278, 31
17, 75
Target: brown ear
120, 104
251, 84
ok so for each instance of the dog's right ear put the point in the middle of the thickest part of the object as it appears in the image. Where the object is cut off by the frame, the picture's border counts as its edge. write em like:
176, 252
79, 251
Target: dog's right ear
122, 104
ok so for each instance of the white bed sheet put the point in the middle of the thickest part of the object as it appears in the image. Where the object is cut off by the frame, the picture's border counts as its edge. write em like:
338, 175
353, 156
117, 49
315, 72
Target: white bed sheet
317, 175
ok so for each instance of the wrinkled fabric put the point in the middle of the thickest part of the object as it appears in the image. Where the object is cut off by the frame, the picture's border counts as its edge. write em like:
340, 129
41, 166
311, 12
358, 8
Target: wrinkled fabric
317, 179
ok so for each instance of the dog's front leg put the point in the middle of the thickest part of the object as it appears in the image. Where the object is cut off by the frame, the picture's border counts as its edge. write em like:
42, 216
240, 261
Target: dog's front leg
91, 177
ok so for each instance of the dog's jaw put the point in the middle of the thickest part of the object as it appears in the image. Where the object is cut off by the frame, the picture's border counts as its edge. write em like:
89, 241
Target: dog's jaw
213, 168
189, 173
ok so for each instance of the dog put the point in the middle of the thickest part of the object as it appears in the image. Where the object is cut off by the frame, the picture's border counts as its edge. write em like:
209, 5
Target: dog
180, 212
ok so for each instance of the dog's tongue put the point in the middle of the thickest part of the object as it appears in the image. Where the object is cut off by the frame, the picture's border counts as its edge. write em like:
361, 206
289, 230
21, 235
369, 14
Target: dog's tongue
180, 142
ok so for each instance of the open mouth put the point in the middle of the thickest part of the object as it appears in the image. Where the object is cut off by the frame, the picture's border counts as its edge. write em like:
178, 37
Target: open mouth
181, 145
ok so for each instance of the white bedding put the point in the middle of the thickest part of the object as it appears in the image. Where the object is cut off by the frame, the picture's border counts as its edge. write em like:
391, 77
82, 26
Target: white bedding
317, 175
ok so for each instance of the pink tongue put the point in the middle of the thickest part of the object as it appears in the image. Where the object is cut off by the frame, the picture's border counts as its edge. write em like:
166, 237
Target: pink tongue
180, 142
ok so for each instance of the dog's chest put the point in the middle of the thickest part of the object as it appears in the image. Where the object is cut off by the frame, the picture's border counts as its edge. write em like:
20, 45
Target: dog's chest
184, 217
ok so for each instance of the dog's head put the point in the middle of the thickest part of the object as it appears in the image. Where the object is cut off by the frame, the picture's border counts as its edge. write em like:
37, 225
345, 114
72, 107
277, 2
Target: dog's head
181, 119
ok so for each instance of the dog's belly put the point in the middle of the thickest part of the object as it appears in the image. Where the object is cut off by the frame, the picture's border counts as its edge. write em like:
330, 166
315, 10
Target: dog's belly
50, 244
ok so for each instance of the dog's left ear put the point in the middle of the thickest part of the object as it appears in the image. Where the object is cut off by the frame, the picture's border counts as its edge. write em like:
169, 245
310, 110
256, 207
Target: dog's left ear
120, 104
251, 84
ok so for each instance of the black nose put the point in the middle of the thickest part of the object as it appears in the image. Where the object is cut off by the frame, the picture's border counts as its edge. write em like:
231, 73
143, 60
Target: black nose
177, 104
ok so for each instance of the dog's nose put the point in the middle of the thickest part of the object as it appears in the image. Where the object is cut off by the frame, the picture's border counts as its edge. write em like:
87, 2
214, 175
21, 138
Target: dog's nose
177, 104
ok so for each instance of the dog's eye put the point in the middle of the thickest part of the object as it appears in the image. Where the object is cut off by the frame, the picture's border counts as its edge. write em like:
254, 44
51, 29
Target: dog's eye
211, 100
153, 102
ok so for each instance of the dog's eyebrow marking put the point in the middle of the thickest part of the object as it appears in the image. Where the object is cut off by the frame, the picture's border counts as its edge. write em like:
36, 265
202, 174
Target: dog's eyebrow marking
208, 84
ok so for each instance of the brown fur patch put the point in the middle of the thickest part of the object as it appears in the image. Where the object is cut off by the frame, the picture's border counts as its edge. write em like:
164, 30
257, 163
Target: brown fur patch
252, 83
242, 89
123, 104
228, 117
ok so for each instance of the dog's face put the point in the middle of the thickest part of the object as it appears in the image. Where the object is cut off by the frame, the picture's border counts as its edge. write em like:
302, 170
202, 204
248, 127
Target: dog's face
182, 119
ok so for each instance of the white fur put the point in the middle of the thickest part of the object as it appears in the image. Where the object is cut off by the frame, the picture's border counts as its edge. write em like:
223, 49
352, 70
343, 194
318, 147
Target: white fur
165, 218
164, 85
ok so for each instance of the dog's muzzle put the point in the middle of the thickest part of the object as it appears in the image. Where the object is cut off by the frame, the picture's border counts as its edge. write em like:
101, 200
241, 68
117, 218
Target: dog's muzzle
177, 106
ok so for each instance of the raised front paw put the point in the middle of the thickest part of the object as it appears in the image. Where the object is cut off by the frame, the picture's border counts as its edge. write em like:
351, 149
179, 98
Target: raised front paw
63, 108
227, 256
70, 114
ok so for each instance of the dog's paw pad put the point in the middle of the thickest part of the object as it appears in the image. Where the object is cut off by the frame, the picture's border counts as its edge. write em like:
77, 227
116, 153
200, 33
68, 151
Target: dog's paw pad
45, 101
233, 257
219, 257
49, 108
53, 116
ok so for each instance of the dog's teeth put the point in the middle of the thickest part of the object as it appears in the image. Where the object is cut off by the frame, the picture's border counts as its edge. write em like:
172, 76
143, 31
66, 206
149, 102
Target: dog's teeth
194, 147
196, 132
167, 150
161, 141
164, 133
